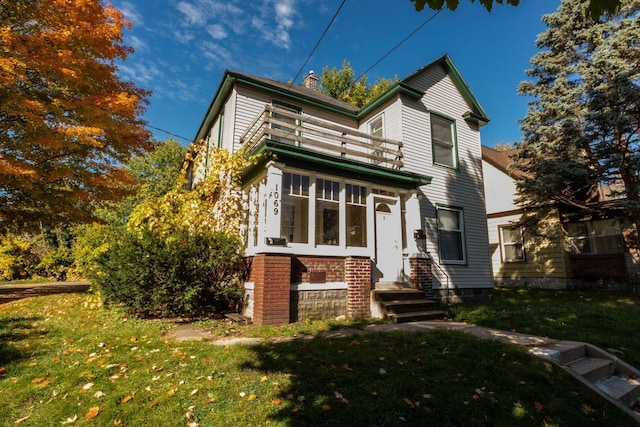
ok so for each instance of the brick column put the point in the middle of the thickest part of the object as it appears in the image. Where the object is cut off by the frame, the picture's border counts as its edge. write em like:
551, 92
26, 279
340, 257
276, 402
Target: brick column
357, 274
271, 276
420, 274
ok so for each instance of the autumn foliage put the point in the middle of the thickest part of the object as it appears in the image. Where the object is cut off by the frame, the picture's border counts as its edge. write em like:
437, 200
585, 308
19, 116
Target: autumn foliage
67, 121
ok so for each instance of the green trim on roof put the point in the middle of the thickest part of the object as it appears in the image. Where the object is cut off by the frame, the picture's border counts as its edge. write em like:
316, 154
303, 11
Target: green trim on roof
395, 89
477, 113
324, 163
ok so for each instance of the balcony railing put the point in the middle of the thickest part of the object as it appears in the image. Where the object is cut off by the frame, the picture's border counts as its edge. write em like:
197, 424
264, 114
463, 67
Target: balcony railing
301, 130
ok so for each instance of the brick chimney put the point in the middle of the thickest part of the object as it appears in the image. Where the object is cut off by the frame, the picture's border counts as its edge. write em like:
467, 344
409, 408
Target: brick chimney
311, 81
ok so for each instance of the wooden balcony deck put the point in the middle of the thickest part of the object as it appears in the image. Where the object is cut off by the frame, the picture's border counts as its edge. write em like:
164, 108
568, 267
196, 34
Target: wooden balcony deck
311, 133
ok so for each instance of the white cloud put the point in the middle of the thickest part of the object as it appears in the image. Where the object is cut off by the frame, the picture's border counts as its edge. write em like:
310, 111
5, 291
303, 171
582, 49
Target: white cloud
138, 44
184, 37
143, 74
283, 12
195, 15
217, 31
130, 13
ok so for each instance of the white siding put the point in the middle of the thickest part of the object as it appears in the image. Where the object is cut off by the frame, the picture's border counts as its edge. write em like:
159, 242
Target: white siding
462, 188
499, 189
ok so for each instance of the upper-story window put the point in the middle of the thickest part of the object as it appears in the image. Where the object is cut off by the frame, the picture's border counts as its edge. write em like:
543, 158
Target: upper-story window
511, 244
376, 128
287, 123
451, 240
295, 207
443, 141
596, 237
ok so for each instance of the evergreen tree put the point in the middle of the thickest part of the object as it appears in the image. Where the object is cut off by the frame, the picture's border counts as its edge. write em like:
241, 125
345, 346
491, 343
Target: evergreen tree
582, 128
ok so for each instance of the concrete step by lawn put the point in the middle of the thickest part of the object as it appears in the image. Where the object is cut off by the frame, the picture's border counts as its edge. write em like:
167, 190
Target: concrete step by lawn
599, 370
406, 305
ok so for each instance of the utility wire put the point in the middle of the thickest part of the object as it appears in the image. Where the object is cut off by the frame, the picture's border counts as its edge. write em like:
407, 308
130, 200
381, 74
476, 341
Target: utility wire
390, 51
335, 15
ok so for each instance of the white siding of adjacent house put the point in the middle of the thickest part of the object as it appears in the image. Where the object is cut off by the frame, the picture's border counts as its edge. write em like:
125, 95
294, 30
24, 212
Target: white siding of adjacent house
499, 189
461, 188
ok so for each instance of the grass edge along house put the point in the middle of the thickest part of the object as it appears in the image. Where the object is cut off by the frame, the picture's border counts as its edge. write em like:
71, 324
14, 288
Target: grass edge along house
349, 200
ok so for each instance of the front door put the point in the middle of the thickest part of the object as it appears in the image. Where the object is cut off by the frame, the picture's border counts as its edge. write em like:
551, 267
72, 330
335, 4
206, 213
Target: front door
388, 243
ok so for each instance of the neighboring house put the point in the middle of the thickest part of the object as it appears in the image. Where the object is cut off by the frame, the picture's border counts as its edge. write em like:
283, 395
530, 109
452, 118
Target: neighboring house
569, 248
350, 199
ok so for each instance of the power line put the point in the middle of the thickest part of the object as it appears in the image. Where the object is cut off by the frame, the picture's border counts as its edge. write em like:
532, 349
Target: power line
335, 15
390, 51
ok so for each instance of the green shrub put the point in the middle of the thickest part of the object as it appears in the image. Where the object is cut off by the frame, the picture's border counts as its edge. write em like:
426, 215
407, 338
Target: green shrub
179, 274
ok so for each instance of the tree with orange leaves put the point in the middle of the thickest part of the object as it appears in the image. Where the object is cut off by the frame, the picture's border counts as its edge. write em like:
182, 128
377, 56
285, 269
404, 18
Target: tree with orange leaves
67, 121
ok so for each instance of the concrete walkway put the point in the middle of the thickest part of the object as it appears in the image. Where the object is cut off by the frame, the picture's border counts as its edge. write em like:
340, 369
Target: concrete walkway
188, 332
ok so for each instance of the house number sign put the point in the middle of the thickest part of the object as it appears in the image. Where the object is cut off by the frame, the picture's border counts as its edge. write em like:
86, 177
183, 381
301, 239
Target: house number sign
275, 195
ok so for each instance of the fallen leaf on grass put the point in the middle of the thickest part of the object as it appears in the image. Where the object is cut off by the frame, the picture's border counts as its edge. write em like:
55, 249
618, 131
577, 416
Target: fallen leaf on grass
409, 402
538, 406
253, 397
93, 412
154, 403
326, 407
126, 399
276, 401
87, 386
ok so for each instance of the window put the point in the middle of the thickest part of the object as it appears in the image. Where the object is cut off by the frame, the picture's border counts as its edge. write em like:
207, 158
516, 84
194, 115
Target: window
376, 129
356, 213
451, 235
287, 133
443, 141
511, 244
295, 208
596, 237
327, 212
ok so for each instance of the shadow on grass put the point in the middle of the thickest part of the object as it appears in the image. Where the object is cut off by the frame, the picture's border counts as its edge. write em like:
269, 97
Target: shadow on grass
12, 330
430, 378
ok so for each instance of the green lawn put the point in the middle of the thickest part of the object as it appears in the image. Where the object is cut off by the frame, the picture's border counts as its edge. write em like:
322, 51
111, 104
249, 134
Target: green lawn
64, 359
606, 319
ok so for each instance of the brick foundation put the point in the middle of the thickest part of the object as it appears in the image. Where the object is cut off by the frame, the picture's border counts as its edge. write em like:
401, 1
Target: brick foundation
317, 269
420, 274
271, 275
357, 272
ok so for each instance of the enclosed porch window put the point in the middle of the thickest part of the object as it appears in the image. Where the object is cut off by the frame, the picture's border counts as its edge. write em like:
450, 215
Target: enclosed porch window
295, 207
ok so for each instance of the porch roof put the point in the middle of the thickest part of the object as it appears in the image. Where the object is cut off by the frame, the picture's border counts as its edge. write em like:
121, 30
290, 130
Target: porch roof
301, 158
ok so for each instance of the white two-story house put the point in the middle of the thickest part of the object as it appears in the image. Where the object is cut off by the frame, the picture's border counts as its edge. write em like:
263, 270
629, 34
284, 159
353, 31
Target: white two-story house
349, 199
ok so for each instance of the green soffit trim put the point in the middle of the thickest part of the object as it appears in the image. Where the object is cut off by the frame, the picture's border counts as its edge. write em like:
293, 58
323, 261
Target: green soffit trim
333, 165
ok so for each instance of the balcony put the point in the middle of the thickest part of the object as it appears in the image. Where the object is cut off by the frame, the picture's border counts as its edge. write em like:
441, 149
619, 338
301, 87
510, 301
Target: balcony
289, 128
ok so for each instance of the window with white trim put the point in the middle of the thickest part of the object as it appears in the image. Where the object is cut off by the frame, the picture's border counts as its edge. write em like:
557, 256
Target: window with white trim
327, 212
596, 237
451, 235
511, 244
443, 141
356, 215
295, 208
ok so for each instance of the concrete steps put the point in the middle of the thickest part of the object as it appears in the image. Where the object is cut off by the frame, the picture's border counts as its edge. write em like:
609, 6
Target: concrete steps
601, 371
406, 305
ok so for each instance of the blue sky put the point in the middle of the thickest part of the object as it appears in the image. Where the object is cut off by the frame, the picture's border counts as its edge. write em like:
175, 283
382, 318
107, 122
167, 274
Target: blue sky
184, 46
